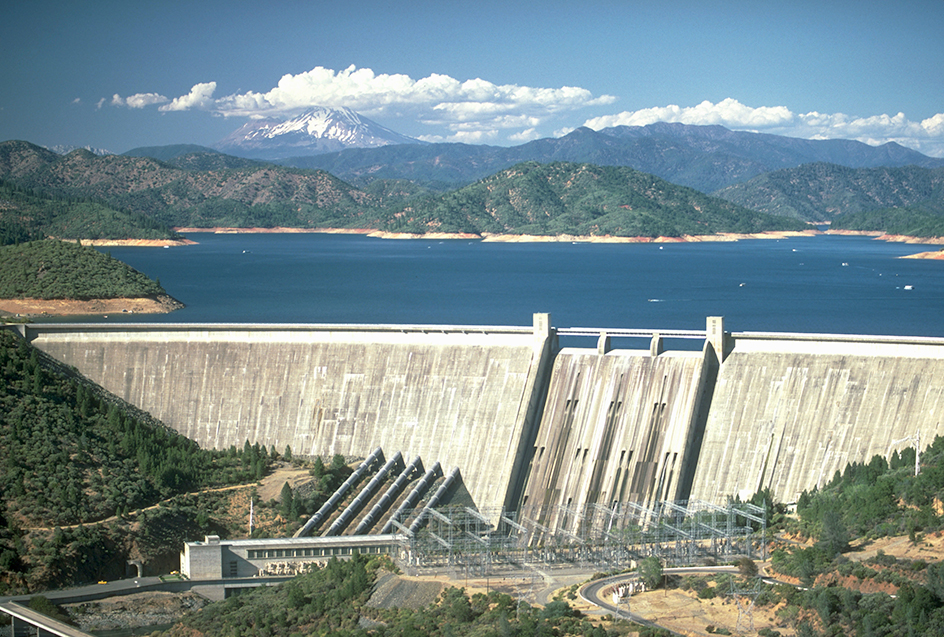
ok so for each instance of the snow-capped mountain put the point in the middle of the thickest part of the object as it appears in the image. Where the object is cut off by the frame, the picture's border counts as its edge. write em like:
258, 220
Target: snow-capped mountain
64, 149
314, 132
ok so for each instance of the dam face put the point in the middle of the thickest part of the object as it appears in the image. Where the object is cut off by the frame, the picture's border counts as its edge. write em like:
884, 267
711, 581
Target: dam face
532, 428
460, 396
790, 410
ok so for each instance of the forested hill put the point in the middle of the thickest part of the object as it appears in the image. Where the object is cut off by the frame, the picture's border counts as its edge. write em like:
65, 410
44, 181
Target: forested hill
51, 269
248, 195
27, 215
908, 221
582, 199
559, 198
823, 192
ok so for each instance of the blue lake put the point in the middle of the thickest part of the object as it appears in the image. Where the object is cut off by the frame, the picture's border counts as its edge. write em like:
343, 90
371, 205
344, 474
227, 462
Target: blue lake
827, 284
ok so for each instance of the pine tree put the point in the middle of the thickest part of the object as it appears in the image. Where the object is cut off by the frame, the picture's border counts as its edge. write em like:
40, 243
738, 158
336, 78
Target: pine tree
287, 499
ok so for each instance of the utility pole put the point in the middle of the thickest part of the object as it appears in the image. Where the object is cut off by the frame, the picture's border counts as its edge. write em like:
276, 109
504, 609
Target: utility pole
916, 439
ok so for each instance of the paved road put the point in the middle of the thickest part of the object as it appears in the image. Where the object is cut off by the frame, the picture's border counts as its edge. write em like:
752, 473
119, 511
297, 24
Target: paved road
593, 592
137, 585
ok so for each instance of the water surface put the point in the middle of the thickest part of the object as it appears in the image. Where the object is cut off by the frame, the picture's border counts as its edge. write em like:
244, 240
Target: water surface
825, 284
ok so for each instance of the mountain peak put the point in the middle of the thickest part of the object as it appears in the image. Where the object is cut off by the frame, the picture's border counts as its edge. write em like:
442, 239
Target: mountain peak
315, 131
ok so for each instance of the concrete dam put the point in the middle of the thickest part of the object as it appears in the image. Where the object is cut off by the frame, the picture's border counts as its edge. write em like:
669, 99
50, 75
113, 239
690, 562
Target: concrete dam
524, 424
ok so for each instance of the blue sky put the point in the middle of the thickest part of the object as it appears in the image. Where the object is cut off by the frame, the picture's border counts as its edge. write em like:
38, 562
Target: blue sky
119, 75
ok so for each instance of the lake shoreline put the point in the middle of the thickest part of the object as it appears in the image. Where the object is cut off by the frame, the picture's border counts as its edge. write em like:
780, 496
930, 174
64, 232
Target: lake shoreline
505, 238
27, 308
487, 237
523, 238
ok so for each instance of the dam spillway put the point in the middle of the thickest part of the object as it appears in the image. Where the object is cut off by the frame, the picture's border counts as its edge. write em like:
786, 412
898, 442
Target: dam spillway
531, 426
617, 427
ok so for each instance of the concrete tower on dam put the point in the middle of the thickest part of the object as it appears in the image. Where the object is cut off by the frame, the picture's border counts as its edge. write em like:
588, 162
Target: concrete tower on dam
534, 428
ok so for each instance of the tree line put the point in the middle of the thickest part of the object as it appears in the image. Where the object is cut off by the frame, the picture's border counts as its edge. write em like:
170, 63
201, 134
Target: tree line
51, 269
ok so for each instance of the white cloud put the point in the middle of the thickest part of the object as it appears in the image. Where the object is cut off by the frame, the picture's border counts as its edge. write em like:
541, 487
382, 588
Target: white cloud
200, 96
525, 136
729, 113
470, 109
138, 100
365, 91
926, 136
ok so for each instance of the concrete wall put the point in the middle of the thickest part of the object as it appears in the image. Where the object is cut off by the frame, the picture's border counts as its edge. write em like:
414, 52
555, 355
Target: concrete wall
783, 411
790, 410
437, 392
202, 560
617, 426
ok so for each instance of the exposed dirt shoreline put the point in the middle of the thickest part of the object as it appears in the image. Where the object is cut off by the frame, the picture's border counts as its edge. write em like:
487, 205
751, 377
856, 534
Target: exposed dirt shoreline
25, 308
507, 238
899, 238
524, 238
143, 243
567, 238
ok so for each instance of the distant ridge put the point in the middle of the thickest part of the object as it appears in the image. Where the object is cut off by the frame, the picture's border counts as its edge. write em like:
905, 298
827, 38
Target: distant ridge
706, 158
192, 157
169, 152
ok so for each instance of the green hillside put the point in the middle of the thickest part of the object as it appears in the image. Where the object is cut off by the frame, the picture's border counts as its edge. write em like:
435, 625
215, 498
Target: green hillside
53, 269
251, 194
912, 222
27, 215
824, 192
581, 199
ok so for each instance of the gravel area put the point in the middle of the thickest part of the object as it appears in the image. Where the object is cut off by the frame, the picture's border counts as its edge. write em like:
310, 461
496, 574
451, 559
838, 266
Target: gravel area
397, 591
134, 611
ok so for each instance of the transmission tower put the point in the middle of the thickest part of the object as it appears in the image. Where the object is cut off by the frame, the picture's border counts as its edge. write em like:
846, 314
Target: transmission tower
745, 598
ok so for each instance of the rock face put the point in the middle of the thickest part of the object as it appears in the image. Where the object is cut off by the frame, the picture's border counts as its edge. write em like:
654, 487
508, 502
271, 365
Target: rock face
314, 132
